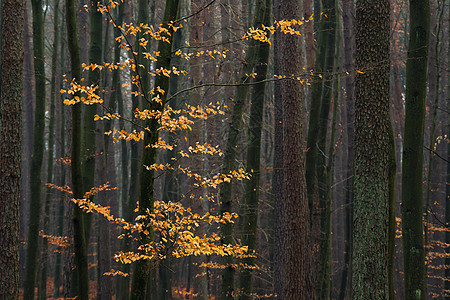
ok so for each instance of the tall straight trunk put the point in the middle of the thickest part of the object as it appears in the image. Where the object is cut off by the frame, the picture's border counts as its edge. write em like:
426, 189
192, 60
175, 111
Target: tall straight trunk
447, 186
330, 169
347, 18
67, 256
412, 197
80, 246
103, 165
134, 157
149, 154
170, 188
392, 223
38, 150
372, 147
141, 272
61, 180
277, 180
10, 144
323, 185
310, 47
104, 283
295, 229
251, 187
123, 283
326, 35
200, 282
89, 126
51, 145
433, 95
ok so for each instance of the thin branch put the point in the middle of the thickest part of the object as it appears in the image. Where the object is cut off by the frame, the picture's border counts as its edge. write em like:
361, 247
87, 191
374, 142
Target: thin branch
435, 153
220, 85
199, 11
141, 86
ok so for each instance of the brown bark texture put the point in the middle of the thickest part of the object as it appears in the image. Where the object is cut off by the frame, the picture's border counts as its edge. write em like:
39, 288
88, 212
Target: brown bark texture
10, 145
371, 163
294, 229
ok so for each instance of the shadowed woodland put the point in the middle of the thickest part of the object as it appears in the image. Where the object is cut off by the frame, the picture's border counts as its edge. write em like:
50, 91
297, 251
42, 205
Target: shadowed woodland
224, 149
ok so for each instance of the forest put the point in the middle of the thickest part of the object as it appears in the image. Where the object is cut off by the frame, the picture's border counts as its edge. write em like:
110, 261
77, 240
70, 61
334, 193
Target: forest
224, 149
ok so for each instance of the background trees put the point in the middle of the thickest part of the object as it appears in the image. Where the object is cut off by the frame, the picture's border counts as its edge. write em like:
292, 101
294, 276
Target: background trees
259, 121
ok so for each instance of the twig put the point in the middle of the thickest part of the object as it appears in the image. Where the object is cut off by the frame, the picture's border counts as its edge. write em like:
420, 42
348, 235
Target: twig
435, 153
199, 11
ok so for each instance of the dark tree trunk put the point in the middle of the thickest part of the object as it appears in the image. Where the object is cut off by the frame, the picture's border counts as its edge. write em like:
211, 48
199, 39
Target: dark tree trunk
349, 49
81, 258
149, 155
60, 153
50, 158
10, 144
251, 187
412, 168
322, 169
38, 150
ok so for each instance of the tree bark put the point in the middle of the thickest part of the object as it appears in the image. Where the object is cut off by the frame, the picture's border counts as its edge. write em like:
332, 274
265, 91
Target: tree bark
295, 229
10, 144
372, 148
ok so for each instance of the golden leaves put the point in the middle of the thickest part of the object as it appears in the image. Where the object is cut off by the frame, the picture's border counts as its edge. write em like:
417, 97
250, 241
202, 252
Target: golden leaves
59, 241
285, 26
84, 94
115, 273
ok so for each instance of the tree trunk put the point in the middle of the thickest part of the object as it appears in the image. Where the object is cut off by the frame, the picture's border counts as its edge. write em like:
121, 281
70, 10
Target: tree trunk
50, 159
123, 283
171, 191
81, 258
323, 184
326, 35
447, 186
10, 144
277, 180
412, 197
38, 151
200, 282
61, 179
348, 20
149, 155
27, 140
372, 148
251, 187
295, 229
95, 57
